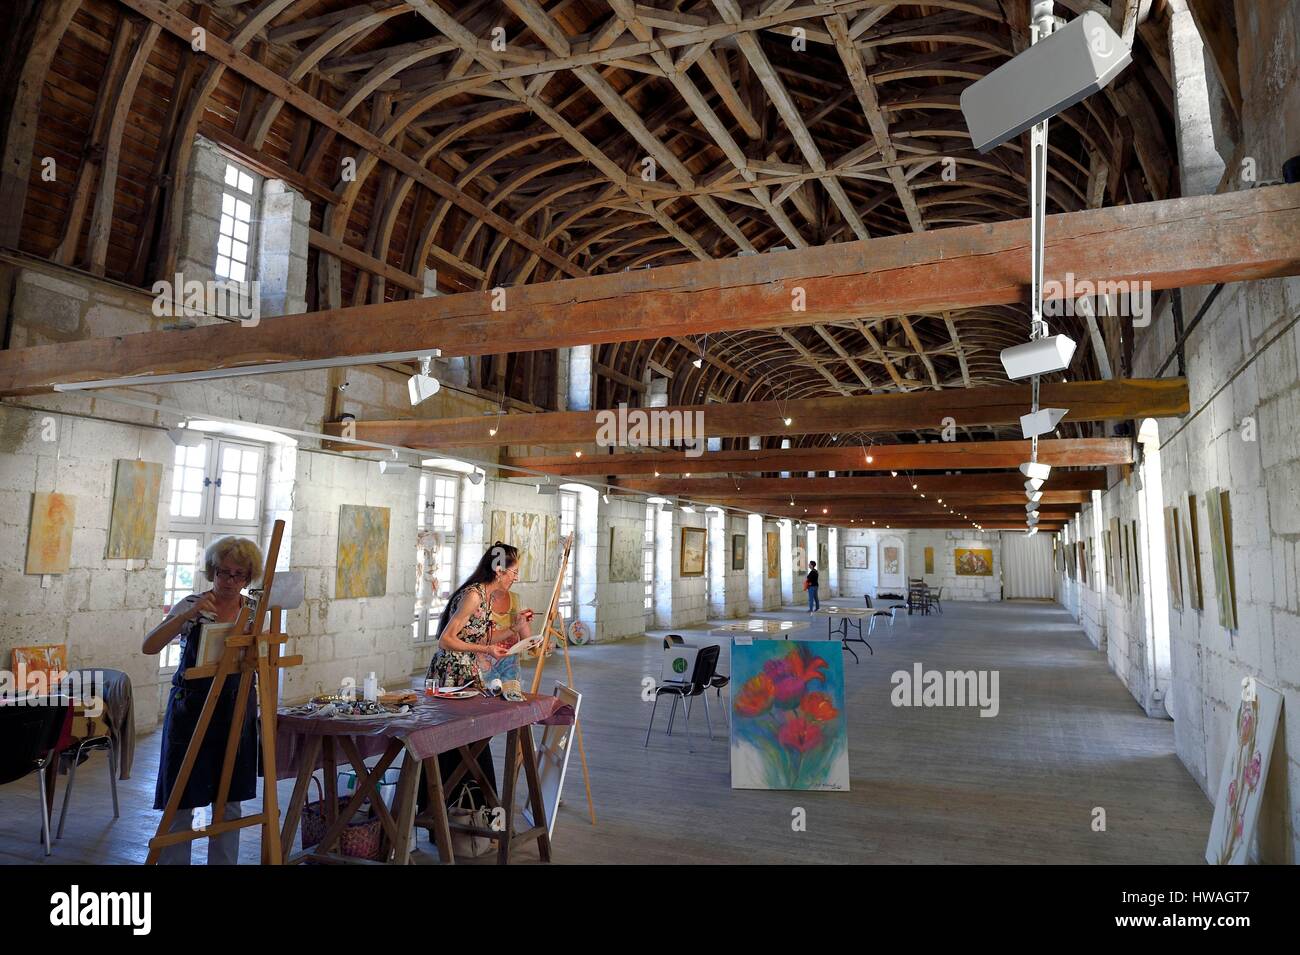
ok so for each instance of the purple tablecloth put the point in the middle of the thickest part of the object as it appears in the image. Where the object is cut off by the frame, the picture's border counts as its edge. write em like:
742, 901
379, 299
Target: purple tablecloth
433, 726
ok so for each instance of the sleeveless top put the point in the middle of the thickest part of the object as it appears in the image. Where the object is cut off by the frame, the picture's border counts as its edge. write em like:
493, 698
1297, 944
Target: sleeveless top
452, 667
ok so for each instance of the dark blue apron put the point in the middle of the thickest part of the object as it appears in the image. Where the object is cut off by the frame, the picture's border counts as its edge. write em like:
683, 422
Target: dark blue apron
184, 705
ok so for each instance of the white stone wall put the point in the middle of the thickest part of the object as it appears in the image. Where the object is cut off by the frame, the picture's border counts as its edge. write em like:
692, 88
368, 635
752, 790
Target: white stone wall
690, 598
621, 612
945, 544
736, 595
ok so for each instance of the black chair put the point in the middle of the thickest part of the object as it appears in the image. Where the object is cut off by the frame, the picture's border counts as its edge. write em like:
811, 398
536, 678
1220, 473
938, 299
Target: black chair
934, 599
673, 640
28, 735
706, 665
73, 756
867, 598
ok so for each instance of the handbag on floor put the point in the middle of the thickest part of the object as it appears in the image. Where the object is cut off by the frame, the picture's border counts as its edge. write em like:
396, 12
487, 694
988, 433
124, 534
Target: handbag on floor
359, 839
469, 843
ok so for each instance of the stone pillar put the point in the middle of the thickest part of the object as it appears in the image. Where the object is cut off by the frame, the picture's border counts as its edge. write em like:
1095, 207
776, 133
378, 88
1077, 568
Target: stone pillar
281, 265
1200, 165
579, 380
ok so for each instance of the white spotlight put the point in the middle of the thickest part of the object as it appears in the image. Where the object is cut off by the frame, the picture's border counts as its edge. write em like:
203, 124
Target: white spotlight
185, 437
547, 489
423, 385
1042, 356
389, 467
698, 363
1043, 421
1032, 469
1033, 484
1053, 74
1034, 496
475, 477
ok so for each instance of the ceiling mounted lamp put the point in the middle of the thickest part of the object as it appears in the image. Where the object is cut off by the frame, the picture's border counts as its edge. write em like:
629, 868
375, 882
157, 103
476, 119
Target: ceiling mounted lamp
1033, 484
422, 385
1034, 496
1032, 469
183, 436
1043, 421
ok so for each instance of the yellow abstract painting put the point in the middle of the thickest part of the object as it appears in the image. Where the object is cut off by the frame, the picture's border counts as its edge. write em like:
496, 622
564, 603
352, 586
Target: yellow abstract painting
49, 542
134, 518
362, 566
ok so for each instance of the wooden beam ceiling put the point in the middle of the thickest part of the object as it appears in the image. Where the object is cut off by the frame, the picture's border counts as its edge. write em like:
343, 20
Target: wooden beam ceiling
1189, 241
917, 410
954, 456
938, 485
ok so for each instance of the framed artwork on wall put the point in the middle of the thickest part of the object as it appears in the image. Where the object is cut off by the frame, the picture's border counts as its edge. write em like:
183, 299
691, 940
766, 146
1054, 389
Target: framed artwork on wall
1137, 563
694, 552
1192, 555
737, 551
856, 557
773, 555
1225, 578
1173, 562
929, 560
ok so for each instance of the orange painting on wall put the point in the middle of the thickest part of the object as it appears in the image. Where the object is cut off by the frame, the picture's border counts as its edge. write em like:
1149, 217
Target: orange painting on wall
49, 542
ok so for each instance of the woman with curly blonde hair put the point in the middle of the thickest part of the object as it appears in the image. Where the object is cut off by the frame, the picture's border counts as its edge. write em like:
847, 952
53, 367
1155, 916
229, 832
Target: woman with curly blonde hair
231, 564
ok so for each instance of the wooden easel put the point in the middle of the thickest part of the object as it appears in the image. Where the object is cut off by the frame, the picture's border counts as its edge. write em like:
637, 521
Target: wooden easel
245, 653
549, 632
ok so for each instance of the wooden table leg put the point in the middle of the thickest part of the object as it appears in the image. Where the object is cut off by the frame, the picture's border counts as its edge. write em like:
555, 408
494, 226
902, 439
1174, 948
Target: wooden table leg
365, 786
438, 808
331, 781
293, 811
508, 798
407, 784
535, 794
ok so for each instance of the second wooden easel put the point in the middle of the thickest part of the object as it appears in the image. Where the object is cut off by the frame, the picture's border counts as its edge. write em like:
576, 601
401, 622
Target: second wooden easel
551, 632
246, 654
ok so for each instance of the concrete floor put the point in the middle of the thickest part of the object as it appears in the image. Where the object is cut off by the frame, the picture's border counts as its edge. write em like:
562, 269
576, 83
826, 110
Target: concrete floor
928, 784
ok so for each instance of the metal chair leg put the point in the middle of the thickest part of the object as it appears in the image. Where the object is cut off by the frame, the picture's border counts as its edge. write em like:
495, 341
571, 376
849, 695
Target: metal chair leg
112, 773
67, 790
690, 743
707, 721
652, 721
45, 811
672, 714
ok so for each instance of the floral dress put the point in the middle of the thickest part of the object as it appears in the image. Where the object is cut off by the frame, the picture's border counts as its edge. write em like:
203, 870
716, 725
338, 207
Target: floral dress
452, 667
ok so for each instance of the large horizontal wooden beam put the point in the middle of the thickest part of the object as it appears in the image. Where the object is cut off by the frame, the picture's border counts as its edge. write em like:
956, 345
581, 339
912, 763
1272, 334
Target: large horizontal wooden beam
1118, 399
935, 485
884, 508
1195, 240
938, 456
994, 499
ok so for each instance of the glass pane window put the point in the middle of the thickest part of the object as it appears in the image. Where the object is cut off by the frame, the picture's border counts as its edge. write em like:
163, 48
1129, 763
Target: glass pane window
235, 226
648, 556
437, 512
240, 480
189, 468
568, 525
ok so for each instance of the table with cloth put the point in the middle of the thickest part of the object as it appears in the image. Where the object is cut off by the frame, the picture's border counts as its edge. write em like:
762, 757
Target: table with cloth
305, 743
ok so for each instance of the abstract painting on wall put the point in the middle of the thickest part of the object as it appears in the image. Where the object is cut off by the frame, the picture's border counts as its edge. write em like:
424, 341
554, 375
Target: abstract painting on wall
1173, 563
49, 541
773, 553
625, 557
973, 561
788, 728
1225, 578
1245, 771
1083, 563
1137, 564
695, 551
1192, 555
737, 551
929, 560
526, 533
134, 517
823, 560
551, 553
1110, 561
891, 560
798, 561
361, 569
856, 557
498, 528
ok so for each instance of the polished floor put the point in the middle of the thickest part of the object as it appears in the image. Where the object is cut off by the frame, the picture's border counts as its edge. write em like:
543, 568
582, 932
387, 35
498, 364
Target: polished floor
929, 785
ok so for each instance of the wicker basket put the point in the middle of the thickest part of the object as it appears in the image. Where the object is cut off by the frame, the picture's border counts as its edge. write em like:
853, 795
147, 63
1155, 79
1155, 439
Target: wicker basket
360, 840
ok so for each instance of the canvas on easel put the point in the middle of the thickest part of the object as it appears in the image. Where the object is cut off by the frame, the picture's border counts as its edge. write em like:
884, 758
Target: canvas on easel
553, 629
552, 762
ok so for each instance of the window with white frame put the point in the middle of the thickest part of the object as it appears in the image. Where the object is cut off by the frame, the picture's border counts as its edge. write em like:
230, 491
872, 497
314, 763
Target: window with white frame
648, 557
235, 233
436, 553
568, 525
217, 491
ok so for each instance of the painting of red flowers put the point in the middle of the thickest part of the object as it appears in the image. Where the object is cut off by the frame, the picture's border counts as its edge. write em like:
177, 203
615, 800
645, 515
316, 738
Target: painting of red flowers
788, 729
1245, 770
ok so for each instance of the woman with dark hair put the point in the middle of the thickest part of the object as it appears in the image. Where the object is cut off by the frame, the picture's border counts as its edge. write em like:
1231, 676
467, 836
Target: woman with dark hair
469, 645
